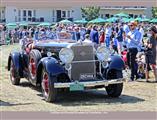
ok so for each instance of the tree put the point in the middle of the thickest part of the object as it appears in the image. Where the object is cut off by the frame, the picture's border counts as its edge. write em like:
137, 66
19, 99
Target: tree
154, 12
90, 13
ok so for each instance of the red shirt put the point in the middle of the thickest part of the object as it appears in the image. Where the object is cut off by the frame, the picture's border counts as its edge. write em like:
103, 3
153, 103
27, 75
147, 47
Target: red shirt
102, 38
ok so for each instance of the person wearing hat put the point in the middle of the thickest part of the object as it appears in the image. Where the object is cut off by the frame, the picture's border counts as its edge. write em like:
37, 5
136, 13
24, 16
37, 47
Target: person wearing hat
151, 52
133, 45
87, 39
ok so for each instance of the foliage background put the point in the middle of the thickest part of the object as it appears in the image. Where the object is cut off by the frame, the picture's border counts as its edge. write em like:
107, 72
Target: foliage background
90, 13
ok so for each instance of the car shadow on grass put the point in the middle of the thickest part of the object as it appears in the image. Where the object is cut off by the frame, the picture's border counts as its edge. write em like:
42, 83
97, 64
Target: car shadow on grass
87, 97
29, 85
94, 97
3, 103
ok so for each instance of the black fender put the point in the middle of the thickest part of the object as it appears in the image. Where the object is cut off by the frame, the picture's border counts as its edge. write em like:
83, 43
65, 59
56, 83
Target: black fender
116, 63
51, 66
16, 58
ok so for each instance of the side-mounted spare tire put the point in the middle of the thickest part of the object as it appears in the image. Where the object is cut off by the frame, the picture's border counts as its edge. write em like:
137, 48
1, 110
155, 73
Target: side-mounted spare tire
115, 90
34, 57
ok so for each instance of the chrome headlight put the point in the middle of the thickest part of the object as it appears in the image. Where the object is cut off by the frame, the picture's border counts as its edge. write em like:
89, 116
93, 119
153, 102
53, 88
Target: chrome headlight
66, 55
104, 64
103, 53
49, 54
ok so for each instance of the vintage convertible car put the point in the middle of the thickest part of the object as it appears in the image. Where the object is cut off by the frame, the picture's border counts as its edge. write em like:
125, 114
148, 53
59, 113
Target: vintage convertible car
65, 64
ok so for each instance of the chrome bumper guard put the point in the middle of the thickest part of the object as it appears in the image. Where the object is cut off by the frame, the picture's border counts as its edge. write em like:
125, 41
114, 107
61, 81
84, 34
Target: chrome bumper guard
91, 83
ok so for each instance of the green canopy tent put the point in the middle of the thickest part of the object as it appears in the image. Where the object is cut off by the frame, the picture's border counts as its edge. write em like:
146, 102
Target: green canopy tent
131, 19
83, 21
121, 15
65, 21
53, 26
34, 23
45, 24
153, 20
139, 19
145, 20
112, 19
11, 25
126, 20
97, 20
23, 24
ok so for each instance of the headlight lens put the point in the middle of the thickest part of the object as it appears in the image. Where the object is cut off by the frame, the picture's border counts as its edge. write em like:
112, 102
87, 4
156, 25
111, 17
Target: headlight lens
66, 55
104, 64
103, 53
49, 54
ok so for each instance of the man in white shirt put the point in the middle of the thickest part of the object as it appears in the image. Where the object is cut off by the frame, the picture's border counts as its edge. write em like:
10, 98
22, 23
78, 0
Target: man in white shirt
133, 44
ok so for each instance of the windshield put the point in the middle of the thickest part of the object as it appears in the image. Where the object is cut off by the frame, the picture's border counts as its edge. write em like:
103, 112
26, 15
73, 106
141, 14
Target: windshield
64, 36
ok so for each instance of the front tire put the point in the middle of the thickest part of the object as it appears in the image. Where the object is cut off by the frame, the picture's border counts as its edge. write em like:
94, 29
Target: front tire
48, 90
14, 75
115, 90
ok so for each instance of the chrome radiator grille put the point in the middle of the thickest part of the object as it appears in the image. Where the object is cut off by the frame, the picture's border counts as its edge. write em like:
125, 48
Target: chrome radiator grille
83, 65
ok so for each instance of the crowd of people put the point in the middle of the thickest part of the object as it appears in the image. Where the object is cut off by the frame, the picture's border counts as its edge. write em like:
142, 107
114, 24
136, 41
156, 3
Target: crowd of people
126, 39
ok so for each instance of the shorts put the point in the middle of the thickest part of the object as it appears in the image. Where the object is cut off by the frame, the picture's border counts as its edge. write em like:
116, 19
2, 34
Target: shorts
150, 60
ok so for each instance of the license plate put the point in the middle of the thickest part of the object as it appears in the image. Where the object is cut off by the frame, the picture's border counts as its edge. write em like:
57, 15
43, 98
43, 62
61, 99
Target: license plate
86, 76
76, 87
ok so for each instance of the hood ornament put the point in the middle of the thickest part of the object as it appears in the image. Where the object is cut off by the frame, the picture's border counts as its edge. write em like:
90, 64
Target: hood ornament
80, 42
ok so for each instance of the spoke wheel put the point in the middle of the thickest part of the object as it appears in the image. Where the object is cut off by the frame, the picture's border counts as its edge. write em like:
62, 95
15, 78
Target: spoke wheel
48, 90
45, 85
34, 57
32, 67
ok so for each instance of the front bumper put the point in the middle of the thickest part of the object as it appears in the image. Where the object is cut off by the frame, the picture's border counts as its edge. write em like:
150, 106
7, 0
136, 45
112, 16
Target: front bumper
91, 83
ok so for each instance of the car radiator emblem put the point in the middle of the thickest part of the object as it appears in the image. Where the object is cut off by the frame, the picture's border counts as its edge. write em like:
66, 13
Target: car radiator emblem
82, 53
